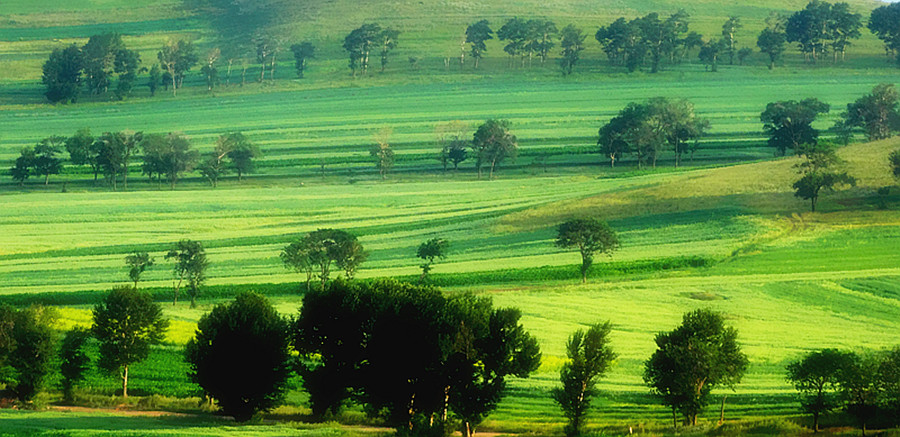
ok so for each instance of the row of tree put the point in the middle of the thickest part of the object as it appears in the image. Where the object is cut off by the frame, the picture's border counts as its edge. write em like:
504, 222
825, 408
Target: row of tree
163, 157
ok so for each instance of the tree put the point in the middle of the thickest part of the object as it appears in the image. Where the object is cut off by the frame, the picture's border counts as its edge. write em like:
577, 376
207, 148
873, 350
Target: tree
153, 79
24, 166
114, 154
773, 38
677, 122
214, 166
190, 264
476, 35
298, 256
710, 52
177, 57
492, 143
387, 41
889, 380
168, 155
137, 262
209, 69
692, 360
83, 151
810, 29
359, 43
74, 361
572, 43
844, 26
541, 34
515, 32
302, 53
99, 60
449, 138
743, 54
32, 352
127, 65
878, 113
885, 24
241, 152
860, 388
62, 74
252, 338
894, 160
323, 248
435, 248
816, 377
590, 357
789, 123
46, 162
615, 40
590, 236
382, 153
729, 30
126, 323
818, 173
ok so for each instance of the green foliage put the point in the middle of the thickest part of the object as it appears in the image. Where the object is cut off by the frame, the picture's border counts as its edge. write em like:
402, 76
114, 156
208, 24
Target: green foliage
24, 166
816, 377
190, 264
240, 150
302, 52
590, 236
571, 40
62, 74
590, 357
710, 52
690, 361
894, 161
789, 123
435, 248
729, 36
492, 143
126, 323
772, 40
877, 113
885, 23
177, 57
240, 356
31, 351
74, 361
137, 262
476, 35
819, 171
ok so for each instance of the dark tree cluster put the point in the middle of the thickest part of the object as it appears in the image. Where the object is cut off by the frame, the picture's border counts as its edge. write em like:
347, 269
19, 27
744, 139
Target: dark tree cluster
26, 350
93, 65
648, 40
367, 39
315, 253
822, 27
885, 24
646, 129
409, 354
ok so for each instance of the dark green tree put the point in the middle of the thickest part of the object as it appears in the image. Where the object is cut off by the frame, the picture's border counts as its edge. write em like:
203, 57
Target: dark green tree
819, 171
190, 265
435, 248
541, 35
127, 64
387, 41
359, 44
476, 35
23, 167
62, 74
240, 356
710, 53
772, 39
589, 236
590, 357
860, 388
844, 26
126, 323
137, 263
678, 123
877, 113
31, 357
816, 377
692, 360
99, 60
894, 161
241, 152
327, 247
154, 77
83, 151
810, 29
302, 53
46, 159
789, 123
571, 40
74, 361
885, 24
729, 36
515, 33
177, 57
492, 143
298, 256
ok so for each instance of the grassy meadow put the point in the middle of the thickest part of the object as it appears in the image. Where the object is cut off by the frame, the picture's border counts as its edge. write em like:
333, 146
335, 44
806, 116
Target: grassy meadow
723, 231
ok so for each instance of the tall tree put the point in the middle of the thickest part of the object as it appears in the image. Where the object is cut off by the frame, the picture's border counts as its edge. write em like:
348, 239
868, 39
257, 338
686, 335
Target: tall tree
589, 236
885, 24
729, 36
137, 263
877, 113
74, 361
153, 79
860, 388
209, 69
541, 36
678, 123
844, 26
298, 256
23, 167
387, 41
382, 153
302, 53
614, 39
789, 123
176, 156
819, 171
572, 43
31, 356
493, 143
82, 150
190, 265
476, 35
359, 43
127, 64
326, 247
99, 60
514, 33
253, 339
435, 248
177, 57
590, 357
46, 162
710, 53
62, 74
690, 361
772, 40
241, 152
810, 29
126, 323
816, 376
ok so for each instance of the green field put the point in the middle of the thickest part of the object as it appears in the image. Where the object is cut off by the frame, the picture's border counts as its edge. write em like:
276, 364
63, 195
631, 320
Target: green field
723, 232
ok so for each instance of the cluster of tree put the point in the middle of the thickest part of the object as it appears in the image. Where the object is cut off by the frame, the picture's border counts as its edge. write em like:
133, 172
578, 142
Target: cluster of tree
821, 27
526, 38
648, 39
317, 251
163, 157
26, 350
646, 129
94, 64
454, 359
885, 24
864, 386
365, 39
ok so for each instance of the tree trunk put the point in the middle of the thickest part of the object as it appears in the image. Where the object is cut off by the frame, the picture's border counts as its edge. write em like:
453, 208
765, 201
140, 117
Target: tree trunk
674, 419
174, 84
491, 176
177, 289
262, 72
47, 179
228, 72
125, 382
272, 67
815, 421
125, 177
722, 411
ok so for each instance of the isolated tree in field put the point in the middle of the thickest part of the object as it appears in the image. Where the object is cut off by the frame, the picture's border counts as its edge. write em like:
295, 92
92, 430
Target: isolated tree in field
62, 74
772, 39
492, 143
137, 263
819, 171
23, 167
476, 35
359, 44
126, 323
240, 356
190, 265
382, 153
885, 24
241, 152
729, 36
435, 248
82, 150
46, 160
74, 361
789, 123
589, 236
302, 53
571, 41
878, 113
816, 377
298, 256
32, 352
387, 41
690, 361
177, 57
710, 53
449, 137
590, 357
